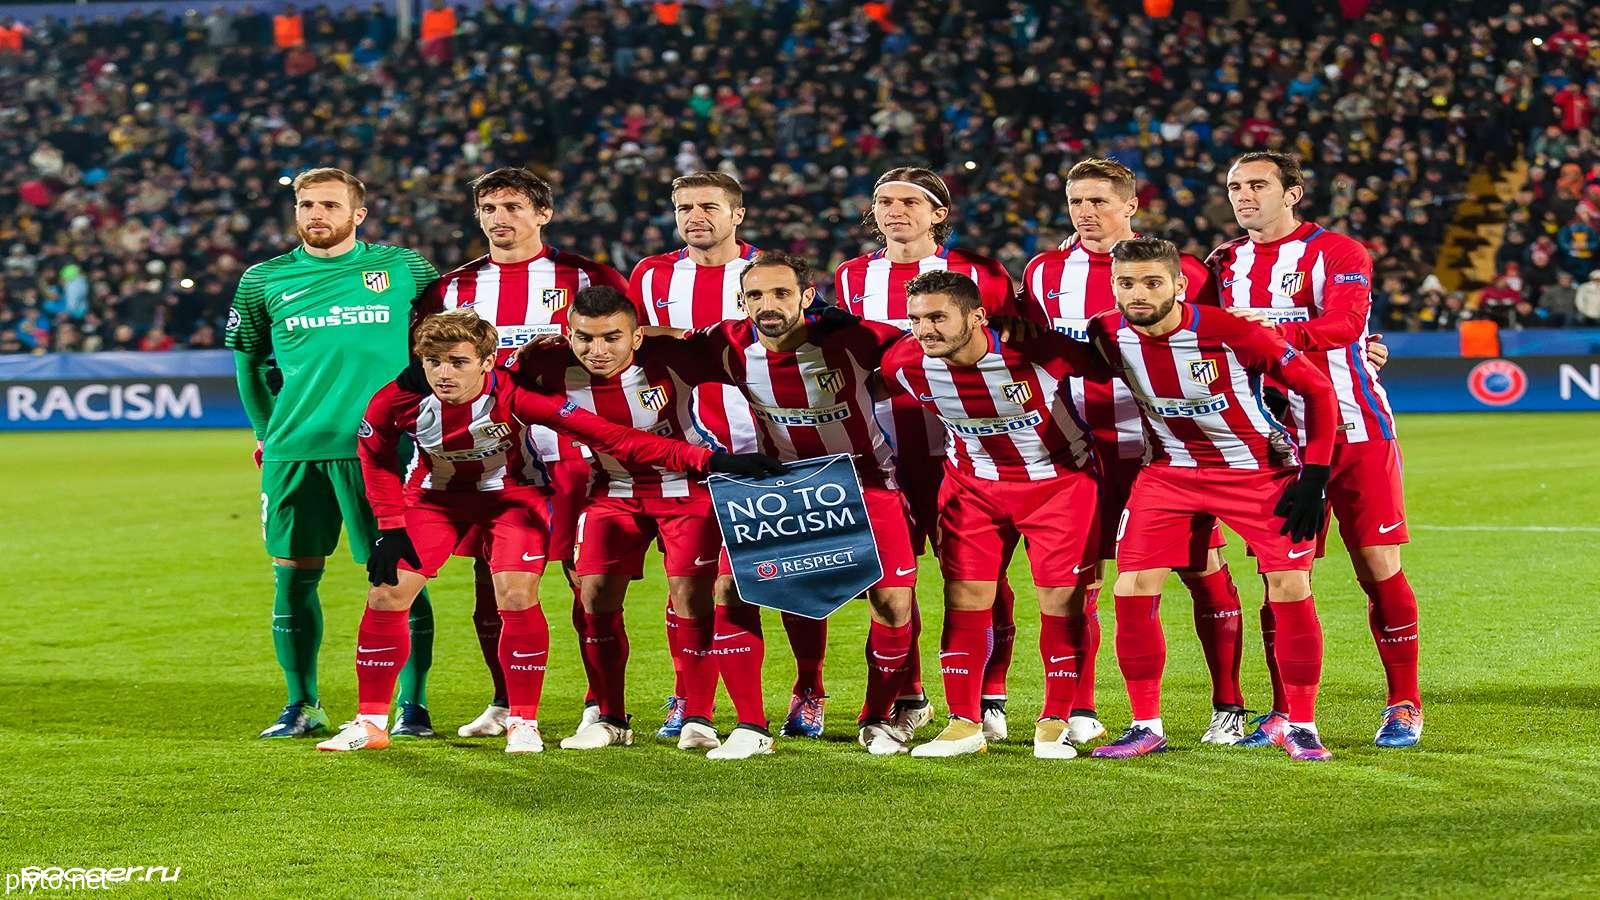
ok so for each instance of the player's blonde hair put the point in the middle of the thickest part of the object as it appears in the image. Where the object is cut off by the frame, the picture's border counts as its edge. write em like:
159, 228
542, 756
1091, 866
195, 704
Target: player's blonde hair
437, 333
1098, 167
358, 191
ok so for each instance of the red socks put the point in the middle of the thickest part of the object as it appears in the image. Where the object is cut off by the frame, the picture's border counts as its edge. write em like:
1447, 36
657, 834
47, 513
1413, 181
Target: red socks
1061, 660
524, 654
739, 649
808, 638
383, 642
888, 669
914, 684
697, 668
486, 622
1299, 657
1005, 639
675, 637
1141, 652
1219, 623
1392, 616
605, 657
590, 676
1269, 643
963, 652
1083, 630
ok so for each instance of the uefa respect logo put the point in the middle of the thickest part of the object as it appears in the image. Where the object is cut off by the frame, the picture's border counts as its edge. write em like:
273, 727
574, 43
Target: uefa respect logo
1497, 382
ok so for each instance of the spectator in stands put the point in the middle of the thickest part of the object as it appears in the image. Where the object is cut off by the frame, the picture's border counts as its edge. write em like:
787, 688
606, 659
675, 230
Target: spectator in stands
1587, 300
1559, 302
1579, 241
1499, 299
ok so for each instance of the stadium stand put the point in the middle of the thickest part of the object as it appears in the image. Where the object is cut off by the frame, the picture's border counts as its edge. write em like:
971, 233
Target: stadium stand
145, 155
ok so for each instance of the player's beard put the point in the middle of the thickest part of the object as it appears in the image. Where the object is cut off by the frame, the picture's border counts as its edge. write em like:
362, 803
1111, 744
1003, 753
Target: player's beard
774, 328
332, 239
950, 347
1154, 317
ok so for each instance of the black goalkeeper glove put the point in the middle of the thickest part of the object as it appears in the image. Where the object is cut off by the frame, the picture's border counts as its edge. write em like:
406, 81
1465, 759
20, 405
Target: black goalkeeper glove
383, 564
826, 317
1277, 403
1303, 504
746, 465
413, 379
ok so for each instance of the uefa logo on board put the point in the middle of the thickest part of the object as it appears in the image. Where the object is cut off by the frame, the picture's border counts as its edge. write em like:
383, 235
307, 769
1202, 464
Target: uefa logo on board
766, 571
1497, 382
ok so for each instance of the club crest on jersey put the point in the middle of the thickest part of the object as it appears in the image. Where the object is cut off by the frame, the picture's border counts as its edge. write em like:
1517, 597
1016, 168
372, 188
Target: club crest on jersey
376, 282
653, 399
1292, 282
553, 298
1017, 392
495, 430
830, 381
1203, 371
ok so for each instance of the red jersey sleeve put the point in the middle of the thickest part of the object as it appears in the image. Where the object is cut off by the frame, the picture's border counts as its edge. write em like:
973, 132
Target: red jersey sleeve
1264, 350
1346, 299
378, 449
627, 444
601, 274
429, 302
539, 368
878, 337
894, 360
1030, 304
1202, 287
1064, 357
635, 290
1101, 344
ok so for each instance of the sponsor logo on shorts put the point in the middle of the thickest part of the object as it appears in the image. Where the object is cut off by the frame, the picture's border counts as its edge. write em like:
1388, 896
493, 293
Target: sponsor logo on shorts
1018, 392
1497, 382
553, 298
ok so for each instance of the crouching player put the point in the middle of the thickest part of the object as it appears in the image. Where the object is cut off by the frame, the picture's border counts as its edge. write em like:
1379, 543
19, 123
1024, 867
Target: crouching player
473, 472
1018, 465
1216, 454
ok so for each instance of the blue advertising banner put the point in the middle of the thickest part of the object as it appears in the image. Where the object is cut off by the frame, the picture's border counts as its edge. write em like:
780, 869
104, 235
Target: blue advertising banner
193, 389
799, 542
1524, 384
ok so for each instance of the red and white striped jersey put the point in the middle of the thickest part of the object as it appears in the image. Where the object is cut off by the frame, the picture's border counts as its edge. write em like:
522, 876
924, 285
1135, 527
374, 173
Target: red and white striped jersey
523, 300
650, 394
814, 400
1063, 290
874, 288
1006, 415
1199, 390
1316, 286
482, 445
672, 290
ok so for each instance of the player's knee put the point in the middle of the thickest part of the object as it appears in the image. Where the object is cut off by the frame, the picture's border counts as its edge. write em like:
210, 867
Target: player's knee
516, 598
969, 594
300, 562
387, 597
892, 606
1141, 582
1377, 563
1288, 586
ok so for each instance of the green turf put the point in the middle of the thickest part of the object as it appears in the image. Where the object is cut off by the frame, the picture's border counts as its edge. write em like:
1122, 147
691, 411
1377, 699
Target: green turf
136, 665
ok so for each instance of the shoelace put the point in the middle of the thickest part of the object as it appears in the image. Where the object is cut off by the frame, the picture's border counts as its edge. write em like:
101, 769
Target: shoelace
1402, 714
1305, 738
674, 707
811, 710
1133, 735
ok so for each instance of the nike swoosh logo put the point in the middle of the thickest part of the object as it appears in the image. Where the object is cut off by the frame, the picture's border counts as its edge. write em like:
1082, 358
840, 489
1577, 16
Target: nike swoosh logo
953, 653
1078, 569
900, 571
704, 562
527, 655
878, 655
283, 615
1051, 295
288, 296
663, 304
1296, 554
1229, 282
728, 637
1385, 529
925, 398
1399, 627
1056, 659
361, 649
527, 558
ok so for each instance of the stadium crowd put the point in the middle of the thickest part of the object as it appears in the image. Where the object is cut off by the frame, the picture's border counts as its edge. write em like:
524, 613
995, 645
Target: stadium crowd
147, 158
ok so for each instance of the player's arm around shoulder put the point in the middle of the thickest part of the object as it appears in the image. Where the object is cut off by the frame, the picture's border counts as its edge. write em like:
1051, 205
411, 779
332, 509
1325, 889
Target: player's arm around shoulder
377, 449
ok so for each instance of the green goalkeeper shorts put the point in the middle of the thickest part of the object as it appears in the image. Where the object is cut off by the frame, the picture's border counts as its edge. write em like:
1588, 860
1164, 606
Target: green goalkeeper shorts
304, 503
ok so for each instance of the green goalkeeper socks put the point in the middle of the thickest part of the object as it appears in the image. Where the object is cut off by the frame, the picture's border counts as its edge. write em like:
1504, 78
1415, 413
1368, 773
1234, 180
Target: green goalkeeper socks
297, 630
413, 687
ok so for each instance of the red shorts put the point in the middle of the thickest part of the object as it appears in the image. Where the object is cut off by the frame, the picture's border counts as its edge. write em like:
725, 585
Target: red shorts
886, 511
918, 477
980, 521
1173, 510
1116, 483
1366, 495
569, 486
510, 531
615, 532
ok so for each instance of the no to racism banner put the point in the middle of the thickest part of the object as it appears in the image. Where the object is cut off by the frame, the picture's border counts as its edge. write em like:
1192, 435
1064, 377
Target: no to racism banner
799, 542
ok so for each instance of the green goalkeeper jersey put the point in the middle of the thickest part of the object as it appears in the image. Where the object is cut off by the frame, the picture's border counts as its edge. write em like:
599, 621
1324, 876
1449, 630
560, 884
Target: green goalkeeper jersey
338, 329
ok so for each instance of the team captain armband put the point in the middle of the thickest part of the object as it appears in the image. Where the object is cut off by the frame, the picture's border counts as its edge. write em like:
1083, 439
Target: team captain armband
1185, 407
1351, 278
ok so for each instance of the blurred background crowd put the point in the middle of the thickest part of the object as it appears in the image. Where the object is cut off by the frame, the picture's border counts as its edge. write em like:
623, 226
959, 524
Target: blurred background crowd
146, 157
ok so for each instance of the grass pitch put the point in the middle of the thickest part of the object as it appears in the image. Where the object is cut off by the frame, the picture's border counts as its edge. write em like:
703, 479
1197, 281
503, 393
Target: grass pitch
136, 666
